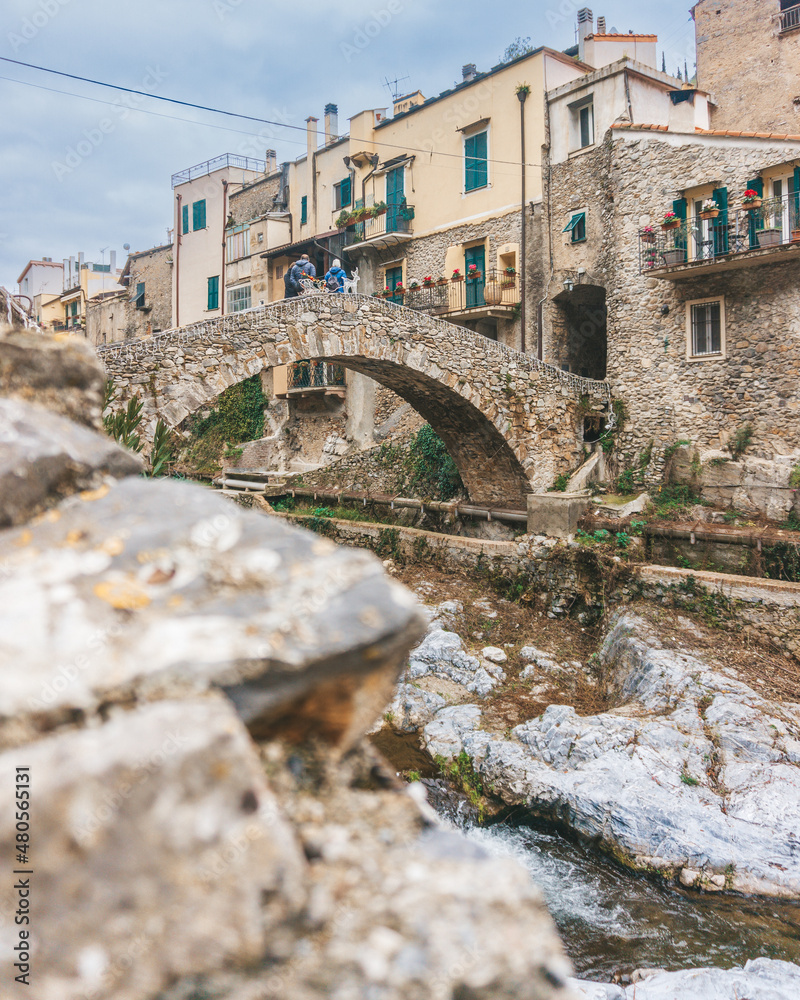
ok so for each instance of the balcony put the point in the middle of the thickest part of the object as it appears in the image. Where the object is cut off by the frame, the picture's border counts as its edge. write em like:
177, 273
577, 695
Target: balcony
308, 378
734, 239
383, 231
790, 19
494, 294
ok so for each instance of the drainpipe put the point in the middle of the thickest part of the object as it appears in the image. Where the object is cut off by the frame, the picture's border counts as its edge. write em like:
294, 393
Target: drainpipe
522, 94
178, 231
224, 221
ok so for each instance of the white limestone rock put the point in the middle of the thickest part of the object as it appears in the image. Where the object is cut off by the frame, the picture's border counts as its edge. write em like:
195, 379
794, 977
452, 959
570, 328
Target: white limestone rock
684, 741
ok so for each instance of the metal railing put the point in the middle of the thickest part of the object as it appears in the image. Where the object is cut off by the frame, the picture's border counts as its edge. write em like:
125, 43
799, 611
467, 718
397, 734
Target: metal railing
217, 163
396, 219
774, 223
315, 375
790, 18
492, 288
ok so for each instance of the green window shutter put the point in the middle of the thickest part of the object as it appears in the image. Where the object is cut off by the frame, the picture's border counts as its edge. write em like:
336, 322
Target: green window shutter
185, 220
577, 227
304, 210
476, 173
719, 226
199, 215
346, 192
755, 222
679, 207
139, 293
794, 202
213, 293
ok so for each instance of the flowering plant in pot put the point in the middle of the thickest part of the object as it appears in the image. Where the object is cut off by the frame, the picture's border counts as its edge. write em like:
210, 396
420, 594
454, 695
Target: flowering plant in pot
647, 234
670, 221
473, 272
344, 219
709, 209
386, 293
413, 285
398, 289
511, 271
751, 199
457, 275
427, 281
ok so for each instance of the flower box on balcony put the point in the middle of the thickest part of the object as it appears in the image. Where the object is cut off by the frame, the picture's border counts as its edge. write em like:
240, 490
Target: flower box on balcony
751, 199
673, 257
769, 237
648, 235
474, 275
440, 282
507, 283
668, 224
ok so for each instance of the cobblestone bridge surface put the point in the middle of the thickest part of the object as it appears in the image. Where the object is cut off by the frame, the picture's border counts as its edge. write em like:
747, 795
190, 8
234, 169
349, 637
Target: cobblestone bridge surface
511, 422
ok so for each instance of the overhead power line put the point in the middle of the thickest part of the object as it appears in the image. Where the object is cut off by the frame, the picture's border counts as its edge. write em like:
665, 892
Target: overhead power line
219, 111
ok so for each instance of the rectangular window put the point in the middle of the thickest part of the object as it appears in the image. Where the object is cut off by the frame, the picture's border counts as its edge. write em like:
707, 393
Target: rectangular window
586, 123
213, 293
237, 243
199, 215
576, 227
139, 301
238, 298
185, 220
304, 210
342, 194
706, 328
476, 173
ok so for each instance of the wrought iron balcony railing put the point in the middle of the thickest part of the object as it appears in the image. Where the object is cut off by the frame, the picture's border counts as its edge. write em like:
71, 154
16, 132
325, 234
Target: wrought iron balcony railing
790, 18
774, 223
311, 376
492, 288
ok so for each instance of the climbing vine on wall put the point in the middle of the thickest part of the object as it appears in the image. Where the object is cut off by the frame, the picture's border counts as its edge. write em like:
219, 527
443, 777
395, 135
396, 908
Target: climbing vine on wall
432, 472
237, 417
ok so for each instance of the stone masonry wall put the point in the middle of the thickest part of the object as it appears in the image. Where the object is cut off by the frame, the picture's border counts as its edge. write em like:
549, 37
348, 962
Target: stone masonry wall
117, 318
508, 421
750, 67
629, 182
254, 200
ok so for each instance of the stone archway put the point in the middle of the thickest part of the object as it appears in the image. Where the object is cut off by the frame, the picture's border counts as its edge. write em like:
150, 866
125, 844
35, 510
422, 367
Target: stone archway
510, 422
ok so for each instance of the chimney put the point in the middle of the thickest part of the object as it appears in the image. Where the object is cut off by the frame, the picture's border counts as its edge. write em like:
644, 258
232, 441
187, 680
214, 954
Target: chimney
468, 72
80, 261
65, 273
331, 123
585, 27
311, 135
271, 158
601, 25
112, 262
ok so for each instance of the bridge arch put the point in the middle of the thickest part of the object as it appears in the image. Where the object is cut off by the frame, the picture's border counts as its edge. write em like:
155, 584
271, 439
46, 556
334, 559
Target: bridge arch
510, 422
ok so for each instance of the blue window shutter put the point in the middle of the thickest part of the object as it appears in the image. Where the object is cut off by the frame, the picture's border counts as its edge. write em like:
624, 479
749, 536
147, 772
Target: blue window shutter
346, 192
199, 215
719, 226
213, 293
185, 220
304, 210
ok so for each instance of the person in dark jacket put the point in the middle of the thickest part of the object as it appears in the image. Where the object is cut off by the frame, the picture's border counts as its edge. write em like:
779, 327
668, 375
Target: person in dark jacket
336, 273
291, 287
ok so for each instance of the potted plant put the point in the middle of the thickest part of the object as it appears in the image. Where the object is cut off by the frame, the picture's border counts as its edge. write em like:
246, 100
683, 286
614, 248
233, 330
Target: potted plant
670, 221
751, 199
473, 272
414, 285
427, 281
386, 293
647, 234
770, 236
709, 209
677, 255
457, 275
441, 280
379, 208
398, 289
344, 219
651, 258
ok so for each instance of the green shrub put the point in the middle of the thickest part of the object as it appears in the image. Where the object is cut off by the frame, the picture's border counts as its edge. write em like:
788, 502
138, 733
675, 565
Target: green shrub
431, 469
560, 483
741, 441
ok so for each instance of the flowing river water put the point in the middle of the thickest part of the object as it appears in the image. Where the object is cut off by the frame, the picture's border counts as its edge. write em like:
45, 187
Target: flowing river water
611, 920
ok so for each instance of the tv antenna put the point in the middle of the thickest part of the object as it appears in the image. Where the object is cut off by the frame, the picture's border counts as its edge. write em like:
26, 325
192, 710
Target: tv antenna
391, 85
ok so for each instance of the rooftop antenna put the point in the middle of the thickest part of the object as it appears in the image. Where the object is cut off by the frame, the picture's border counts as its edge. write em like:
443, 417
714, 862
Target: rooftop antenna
391, 85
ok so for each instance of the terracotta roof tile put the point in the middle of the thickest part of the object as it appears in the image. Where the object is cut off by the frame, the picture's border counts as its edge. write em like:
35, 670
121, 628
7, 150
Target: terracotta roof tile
783, 136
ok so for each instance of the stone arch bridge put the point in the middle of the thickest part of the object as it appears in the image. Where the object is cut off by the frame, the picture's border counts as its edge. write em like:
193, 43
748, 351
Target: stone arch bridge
510, 422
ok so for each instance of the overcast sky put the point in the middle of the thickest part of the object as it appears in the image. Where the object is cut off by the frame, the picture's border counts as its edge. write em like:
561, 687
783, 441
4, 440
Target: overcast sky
78, 175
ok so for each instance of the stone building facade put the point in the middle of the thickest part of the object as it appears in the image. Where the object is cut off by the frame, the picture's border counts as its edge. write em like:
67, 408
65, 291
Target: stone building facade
748, 57
703, 340
143, 308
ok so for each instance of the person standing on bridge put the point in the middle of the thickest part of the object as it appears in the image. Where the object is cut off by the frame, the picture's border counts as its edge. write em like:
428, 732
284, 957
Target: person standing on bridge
302, 268
335, 276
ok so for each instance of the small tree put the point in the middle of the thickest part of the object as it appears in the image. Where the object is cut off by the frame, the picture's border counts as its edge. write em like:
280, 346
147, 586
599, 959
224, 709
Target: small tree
519, 47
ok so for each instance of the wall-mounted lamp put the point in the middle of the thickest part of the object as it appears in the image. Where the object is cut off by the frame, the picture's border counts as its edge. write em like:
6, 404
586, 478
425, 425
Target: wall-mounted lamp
569, 284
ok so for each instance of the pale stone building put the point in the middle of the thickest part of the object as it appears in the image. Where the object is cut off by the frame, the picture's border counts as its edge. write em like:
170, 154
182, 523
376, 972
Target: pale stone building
143, 307
748, 58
